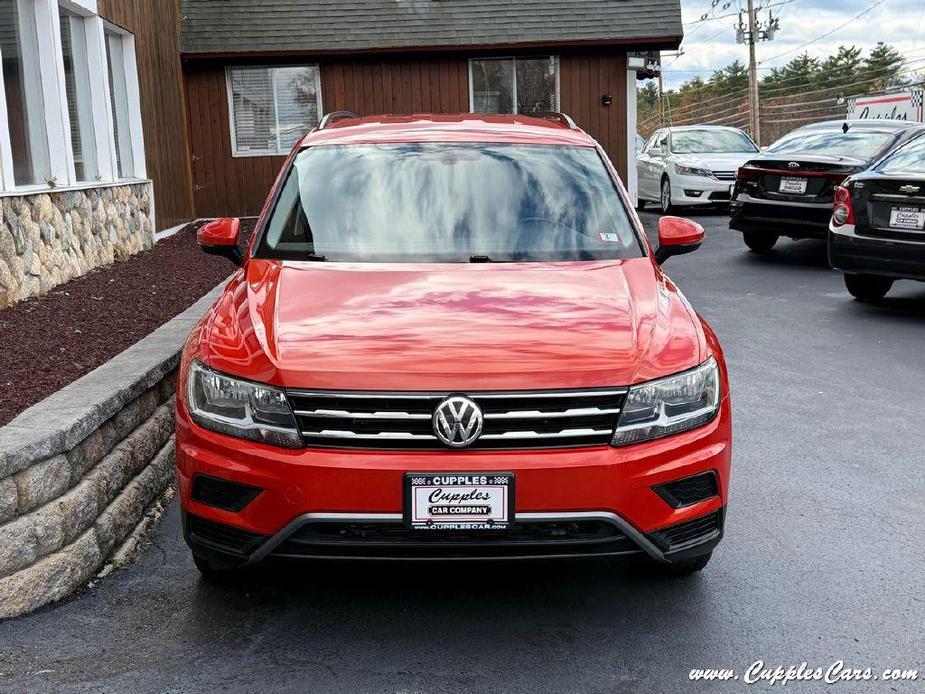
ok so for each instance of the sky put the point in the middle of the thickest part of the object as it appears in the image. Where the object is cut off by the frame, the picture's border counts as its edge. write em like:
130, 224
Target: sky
710, 45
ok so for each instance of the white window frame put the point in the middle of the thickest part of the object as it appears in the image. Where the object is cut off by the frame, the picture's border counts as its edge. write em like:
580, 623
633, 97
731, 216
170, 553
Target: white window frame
514, 58
49, 71
132, 113
235, 153
87, 90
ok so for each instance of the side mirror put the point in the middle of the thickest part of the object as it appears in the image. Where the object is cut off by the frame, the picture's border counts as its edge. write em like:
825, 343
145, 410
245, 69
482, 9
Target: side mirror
677, 236
222, 237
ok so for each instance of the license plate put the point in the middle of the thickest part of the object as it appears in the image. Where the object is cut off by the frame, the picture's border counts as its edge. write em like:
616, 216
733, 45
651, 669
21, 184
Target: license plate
459, 501
909, 218
793, 186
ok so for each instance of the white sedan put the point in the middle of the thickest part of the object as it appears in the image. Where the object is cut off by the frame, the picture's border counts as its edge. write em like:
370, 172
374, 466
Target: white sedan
692, 165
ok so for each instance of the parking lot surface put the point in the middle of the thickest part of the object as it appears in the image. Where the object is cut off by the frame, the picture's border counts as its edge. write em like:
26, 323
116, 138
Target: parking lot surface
822, 559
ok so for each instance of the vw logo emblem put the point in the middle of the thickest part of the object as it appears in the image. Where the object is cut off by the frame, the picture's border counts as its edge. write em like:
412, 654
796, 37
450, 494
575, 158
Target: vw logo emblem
794, 165
458, 421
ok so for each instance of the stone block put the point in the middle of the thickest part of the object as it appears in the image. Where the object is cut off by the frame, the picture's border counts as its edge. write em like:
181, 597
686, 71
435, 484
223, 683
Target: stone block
8, 500
51, 579
42, 482
18, 546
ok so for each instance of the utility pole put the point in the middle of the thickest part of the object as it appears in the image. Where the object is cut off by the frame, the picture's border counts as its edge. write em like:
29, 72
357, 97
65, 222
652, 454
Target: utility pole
756, 31
661, 96
754, 117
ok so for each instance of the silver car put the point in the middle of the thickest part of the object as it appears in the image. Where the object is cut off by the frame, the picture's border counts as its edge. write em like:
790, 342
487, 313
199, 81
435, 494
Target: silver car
692, 165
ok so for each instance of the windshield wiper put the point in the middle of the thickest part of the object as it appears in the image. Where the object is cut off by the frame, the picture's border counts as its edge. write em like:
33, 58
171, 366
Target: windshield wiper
314, 257
480, 259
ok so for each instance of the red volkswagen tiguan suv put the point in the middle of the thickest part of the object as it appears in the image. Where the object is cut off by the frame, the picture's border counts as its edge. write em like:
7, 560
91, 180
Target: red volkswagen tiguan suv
449, 338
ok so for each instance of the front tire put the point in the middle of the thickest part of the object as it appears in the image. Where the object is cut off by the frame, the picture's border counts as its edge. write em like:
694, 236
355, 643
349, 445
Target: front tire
214, 574
686, 567
759, 242
868, 288
665, 199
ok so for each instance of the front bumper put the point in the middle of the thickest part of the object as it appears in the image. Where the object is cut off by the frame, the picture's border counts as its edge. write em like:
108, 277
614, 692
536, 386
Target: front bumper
700, 190
348, 503
887, 257
796, 220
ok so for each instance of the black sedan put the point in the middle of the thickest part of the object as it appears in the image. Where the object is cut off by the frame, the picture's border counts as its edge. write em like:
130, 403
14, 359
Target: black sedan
789, 190
877, 233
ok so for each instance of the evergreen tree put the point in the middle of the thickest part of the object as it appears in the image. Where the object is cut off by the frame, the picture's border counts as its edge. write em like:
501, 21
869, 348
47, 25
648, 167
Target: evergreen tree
884, 65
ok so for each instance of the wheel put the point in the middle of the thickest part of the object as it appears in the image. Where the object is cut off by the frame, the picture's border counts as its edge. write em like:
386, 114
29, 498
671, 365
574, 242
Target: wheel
665, 200
215, 575
868, 288
686, 567
759, 242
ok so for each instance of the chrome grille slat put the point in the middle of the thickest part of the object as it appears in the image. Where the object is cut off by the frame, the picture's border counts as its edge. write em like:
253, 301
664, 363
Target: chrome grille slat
568, 433
403, 420
385, 435
539, 414
344, 414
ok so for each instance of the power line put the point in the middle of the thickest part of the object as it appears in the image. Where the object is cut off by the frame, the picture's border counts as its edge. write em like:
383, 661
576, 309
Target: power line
827, 34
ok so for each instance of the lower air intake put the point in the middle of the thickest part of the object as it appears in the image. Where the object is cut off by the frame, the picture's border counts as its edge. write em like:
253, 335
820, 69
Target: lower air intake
684, 535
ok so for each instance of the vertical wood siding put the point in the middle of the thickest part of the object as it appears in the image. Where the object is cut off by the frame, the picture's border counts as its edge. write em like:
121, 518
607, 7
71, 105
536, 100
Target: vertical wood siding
226, 185
156, 26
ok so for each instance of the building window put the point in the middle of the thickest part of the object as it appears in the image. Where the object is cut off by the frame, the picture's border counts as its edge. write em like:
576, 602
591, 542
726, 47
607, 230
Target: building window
77, 88
514, 85
272, 108
118, 94
22, 87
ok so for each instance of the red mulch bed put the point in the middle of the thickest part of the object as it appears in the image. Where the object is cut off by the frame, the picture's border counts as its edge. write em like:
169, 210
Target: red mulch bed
50, 341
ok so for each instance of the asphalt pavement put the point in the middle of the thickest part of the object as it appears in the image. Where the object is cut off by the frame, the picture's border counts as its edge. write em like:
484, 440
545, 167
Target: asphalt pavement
823, 559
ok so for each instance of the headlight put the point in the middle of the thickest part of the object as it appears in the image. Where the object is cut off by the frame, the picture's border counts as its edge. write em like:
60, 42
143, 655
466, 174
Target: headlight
670, 405
240, 408
691, 171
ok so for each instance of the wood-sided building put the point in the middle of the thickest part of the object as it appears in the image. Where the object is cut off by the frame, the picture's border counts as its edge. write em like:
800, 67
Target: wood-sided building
261, 73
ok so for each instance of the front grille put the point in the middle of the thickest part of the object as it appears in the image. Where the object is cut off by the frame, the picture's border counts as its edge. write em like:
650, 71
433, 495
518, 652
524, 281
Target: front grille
224, 538
229, 496
688, 491
725, 175
395, 540
685, 535
527, 419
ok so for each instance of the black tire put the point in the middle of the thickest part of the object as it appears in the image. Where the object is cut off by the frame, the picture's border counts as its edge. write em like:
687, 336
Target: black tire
868, 288
640, 204
214, 575
665, 198
686, 567
759, 242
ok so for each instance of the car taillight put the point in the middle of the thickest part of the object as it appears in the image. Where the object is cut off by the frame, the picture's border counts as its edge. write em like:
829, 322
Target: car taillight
843, 212
748, 173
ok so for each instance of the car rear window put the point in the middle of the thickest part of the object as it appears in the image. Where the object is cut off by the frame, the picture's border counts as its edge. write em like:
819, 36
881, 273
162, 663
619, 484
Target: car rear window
425, 202
907, 160
854, 144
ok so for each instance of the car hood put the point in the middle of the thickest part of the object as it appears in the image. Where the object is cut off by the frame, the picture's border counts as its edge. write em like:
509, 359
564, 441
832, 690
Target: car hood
714, 162
451, 327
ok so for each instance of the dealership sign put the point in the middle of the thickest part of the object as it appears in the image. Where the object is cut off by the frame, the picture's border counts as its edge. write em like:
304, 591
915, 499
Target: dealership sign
902, 106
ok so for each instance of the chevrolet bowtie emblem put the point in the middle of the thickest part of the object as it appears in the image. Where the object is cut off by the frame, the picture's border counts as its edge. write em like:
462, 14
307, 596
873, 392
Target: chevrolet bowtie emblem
910, 189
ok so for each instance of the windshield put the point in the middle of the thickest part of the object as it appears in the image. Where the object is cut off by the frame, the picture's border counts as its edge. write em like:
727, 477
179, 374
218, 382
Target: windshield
449, 203
855, 144
908, 160
711, 142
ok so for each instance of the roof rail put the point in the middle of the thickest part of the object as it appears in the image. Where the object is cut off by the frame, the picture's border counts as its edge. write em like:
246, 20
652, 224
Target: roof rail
329, 118
563, 118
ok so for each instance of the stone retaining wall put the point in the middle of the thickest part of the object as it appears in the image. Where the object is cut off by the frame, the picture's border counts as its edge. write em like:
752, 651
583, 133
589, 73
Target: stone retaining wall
78, 470
49, 238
